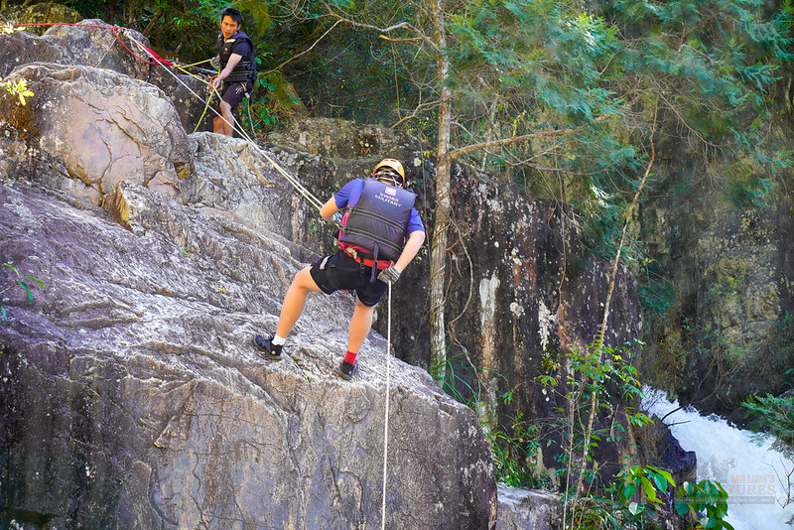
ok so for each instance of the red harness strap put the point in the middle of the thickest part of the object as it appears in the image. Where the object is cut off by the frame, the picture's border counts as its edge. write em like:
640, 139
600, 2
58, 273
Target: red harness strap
351, 251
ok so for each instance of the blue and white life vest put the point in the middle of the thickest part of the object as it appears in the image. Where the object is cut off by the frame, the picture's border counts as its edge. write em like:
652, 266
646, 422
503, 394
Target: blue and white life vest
374, 229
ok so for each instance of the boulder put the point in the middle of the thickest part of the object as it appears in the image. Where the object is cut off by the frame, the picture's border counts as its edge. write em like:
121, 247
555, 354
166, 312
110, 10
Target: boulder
101, 127
132, 371
520, 509
96, 44
133, 375
40, 15
21, 48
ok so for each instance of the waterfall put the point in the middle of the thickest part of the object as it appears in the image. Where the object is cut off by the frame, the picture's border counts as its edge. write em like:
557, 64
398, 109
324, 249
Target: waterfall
753, 474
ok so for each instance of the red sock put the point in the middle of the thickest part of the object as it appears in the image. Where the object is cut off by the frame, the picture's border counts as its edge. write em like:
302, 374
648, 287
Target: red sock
350, 357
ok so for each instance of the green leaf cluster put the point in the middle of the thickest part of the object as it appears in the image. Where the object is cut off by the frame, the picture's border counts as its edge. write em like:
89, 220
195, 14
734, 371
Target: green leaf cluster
20, 281
514, 450
774, 416
706, 501
643, 485
18, 89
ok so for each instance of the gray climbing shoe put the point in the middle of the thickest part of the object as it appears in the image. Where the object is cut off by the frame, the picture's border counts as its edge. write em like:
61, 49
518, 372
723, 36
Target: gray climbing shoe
346, 370
266, 346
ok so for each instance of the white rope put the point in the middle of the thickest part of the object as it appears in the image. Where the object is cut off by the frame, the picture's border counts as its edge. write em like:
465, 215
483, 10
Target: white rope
314, 201
386, 417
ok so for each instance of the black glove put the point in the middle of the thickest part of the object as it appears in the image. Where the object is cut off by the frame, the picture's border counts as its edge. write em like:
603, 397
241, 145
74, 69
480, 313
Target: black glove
389, 275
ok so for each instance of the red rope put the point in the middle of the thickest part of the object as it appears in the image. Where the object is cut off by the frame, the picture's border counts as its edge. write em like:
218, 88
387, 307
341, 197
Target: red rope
156, 57
115, 29
60, 24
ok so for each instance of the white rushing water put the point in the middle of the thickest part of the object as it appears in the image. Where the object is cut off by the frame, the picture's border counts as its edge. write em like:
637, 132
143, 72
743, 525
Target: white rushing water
753, 475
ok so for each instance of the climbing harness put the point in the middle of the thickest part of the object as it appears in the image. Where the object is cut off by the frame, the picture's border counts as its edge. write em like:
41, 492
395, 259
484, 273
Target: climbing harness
374, 226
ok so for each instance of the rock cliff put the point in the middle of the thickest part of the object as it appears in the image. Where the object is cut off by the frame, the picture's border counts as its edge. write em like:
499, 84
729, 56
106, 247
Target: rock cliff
721, 278
131, 372
131, 396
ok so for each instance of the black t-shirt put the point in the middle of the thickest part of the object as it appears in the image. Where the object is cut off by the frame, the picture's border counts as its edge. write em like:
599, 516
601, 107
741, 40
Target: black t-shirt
241, 48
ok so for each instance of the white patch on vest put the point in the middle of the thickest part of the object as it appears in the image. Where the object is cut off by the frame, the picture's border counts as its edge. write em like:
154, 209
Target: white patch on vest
393, 201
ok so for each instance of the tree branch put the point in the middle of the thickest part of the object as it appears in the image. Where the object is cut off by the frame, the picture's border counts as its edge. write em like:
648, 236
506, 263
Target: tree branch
513, 140
415, 113
150, 27
404, 25
304, 52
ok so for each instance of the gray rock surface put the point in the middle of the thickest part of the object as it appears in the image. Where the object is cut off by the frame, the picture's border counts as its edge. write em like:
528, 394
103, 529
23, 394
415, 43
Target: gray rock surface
133, 377
96, 44
101, 127
520, 509
131, 395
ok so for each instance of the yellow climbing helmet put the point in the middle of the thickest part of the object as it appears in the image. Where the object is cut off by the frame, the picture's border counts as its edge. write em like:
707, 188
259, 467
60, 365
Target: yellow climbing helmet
395, 165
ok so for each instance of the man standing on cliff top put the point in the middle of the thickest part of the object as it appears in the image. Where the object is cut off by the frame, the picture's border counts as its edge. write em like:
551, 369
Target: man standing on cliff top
237, 56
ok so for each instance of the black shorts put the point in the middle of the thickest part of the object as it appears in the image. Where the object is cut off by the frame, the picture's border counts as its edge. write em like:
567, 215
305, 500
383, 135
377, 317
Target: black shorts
233, 93
341, 272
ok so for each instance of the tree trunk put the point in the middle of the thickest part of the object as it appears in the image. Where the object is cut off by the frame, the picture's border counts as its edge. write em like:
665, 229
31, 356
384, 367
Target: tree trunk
438, 246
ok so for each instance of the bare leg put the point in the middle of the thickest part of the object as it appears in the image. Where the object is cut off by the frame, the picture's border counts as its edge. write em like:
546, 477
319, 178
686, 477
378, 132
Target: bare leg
224, 125
294, 300
228, 119
360, 324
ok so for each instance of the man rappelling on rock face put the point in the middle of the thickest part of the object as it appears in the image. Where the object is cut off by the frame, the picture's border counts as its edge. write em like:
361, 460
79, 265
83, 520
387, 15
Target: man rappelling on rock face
381, 234
236, 55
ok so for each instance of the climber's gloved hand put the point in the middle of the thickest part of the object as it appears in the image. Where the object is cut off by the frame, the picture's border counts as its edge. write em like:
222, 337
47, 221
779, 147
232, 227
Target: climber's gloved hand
215, 63
389, 275
337, 219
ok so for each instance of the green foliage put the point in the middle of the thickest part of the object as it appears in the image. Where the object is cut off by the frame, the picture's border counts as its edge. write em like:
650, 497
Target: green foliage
513, 451
455, 376
17, 281
706, 501
602, 514
594, 370
774, 416
18, 89
644, 489
633, 502
643, 485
